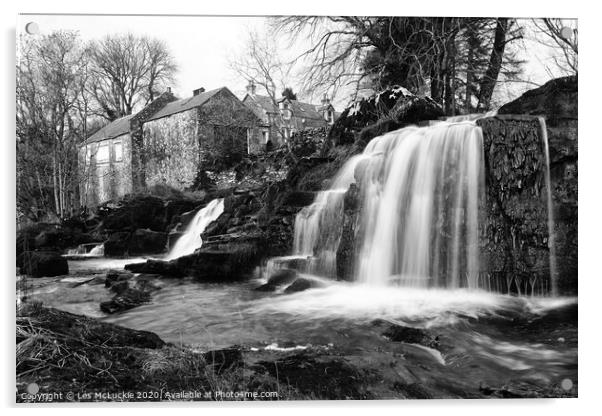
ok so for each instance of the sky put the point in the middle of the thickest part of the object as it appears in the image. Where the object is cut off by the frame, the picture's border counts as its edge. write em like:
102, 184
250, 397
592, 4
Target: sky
203, 45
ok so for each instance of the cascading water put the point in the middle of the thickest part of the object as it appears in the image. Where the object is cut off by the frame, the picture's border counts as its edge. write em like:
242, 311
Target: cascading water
318, 227
421, 191
551, 232
191, 240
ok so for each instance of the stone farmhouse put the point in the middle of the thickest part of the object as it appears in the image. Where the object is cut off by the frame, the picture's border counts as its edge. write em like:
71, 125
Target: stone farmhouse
283, 117
170, 139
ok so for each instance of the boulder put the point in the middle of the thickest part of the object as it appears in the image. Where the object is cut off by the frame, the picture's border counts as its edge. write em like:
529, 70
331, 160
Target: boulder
385, 111
117, 281
409, 335
128, 299
144, 241
44, 264
301, 284
557, 100
117, 243
139, 211
299, 198
159, 267
280, 278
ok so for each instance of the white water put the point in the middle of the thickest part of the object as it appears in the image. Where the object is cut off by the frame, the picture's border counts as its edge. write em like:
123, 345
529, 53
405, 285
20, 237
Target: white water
318, 227
420, 194
191, 240
421, 189
551, 232
80, 251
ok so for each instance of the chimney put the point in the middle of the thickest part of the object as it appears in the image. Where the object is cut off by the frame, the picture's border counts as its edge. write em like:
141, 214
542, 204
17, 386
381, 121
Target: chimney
198, 91
168, 90
251, 88
325, 100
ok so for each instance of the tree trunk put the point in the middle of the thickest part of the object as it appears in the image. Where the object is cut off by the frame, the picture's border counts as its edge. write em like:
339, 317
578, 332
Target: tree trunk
469, 71
495, 65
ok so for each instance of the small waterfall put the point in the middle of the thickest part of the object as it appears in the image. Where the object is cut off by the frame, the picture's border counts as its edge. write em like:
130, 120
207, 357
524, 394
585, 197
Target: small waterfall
551, 232
318, 226
97, 251
87, 250
191, 240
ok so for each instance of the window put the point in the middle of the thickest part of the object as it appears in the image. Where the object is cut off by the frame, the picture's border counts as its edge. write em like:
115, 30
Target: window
118, 149
102, 156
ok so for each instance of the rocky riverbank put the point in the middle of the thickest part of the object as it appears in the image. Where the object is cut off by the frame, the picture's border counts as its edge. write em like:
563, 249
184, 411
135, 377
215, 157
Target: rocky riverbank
62, 352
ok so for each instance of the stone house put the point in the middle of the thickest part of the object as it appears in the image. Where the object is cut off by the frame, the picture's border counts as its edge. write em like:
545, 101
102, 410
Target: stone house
166, 142
280, 119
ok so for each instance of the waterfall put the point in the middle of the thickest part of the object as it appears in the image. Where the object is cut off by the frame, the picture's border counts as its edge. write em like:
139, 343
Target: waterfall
191, 239
420, 190
318, 226
98, 250
551, 232
87, 250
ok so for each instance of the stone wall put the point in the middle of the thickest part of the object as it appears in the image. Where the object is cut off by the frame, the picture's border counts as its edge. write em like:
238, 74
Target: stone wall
514, 228
138, 159
102, 181
172, 150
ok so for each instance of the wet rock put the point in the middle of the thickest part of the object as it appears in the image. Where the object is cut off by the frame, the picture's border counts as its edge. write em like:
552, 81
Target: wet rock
117, 281
128, 299
117, 244
159, 267
280, 278
301, 284
131, 213
49, 237
147, 242
44, 264
299, 198
346, 251
408, 335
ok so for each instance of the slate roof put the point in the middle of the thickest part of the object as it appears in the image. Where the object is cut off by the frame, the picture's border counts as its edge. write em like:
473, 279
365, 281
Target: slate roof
184, 104
114, 129
121, 126
309, 112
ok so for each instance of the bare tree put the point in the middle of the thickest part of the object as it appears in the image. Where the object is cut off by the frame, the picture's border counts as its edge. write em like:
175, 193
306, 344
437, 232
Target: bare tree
262, 65
438, 56
128, 70
50, 78
562, 36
